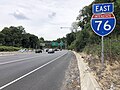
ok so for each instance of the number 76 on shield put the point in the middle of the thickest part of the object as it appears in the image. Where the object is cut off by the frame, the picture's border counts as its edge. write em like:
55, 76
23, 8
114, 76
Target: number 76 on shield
106, 26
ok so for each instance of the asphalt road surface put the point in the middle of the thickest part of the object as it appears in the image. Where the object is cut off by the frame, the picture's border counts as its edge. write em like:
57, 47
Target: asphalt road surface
41, 71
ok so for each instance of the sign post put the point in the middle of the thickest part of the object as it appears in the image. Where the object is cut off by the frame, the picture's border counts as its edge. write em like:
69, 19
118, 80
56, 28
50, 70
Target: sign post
103, 22
102, 52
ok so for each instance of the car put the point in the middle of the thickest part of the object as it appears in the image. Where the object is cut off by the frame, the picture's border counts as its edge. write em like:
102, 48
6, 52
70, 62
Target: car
56, 49
38, 51
46, 49
22, 50
51, 51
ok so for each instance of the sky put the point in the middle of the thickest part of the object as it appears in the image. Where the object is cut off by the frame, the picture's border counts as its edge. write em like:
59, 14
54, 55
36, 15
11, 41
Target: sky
42, 18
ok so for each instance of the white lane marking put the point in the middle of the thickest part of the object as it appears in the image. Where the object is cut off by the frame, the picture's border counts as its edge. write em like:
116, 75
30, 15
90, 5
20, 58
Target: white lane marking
19, 60
6, 85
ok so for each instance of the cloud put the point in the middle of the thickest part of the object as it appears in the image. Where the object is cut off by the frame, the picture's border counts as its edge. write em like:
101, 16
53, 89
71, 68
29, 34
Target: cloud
19, 15
41, 17
52, 15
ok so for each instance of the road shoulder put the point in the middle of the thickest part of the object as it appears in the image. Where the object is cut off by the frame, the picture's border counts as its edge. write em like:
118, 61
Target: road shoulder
72, 78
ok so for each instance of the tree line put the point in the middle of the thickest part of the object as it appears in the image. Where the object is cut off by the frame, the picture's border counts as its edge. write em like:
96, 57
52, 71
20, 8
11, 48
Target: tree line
18, 37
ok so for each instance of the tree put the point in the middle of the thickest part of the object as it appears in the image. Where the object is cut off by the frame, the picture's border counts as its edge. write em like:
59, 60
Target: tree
41, 40
70, 38
13, 35
8, 36
25, 40
81, 40
34, 41
2, 38
17, 36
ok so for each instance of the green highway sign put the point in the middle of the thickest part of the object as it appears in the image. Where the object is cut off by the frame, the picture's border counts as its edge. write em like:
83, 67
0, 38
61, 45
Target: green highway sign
57, 44
54, 43
61, 43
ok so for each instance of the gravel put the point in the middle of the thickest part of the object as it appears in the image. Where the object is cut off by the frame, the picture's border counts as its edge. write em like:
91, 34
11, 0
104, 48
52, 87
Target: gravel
72, 78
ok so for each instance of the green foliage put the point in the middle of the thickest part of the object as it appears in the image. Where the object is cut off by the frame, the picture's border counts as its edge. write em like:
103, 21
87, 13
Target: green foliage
71, 47
12, 35
25, 40
81, 40
41, 40
70, 38
2, 38
16, 36
61, 39
111, 49
33, 41
9, 48
94, 49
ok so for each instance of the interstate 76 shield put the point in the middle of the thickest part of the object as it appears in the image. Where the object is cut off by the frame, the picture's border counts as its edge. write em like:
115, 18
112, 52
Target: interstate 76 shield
103, 24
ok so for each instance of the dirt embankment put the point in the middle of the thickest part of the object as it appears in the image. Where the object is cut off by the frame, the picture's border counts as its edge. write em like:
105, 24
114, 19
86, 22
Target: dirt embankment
109, 76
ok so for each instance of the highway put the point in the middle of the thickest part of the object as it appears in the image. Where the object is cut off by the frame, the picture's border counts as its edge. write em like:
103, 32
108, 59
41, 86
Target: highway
41, 71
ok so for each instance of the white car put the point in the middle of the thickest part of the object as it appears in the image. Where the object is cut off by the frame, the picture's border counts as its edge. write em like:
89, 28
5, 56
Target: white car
51, 51
22, 50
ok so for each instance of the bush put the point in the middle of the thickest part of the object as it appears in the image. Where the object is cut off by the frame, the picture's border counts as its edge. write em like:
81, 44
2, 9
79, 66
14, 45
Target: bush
111, 49
9, 48
71, 47
81, 40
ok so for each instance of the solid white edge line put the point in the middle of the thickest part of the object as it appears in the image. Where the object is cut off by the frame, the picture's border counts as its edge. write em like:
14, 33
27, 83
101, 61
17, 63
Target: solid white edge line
4, 86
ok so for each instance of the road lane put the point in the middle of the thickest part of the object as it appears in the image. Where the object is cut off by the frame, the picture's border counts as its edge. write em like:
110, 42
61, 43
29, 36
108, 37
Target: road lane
18, 57
10, 72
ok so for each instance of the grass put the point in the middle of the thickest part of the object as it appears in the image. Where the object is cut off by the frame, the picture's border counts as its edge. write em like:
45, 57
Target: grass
8, 48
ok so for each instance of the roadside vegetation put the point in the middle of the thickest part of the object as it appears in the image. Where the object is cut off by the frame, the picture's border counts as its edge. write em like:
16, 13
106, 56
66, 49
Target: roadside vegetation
12, 38
9, 48
86, 40
89, 44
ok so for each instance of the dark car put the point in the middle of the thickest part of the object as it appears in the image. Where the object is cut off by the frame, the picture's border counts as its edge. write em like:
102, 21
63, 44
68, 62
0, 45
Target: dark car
56, 49
46, 50
51, 51
38, 51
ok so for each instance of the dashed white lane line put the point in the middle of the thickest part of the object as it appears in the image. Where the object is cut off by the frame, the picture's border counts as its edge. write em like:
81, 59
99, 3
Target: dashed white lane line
6, 85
